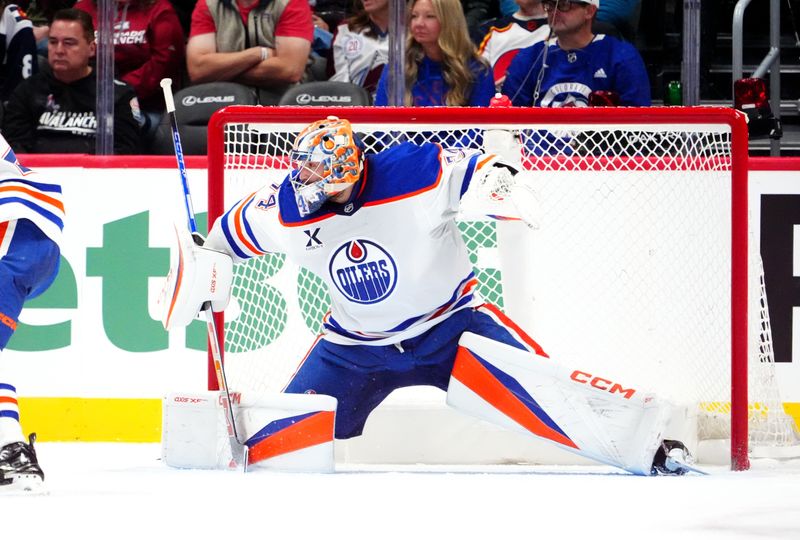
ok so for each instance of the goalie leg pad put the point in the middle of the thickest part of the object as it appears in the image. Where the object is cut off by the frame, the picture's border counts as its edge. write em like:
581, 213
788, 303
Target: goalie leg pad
285, 432
580, 413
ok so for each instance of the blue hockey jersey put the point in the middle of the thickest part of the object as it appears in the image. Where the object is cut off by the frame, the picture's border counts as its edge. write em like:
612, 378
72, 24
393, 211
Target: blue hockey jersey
568, 77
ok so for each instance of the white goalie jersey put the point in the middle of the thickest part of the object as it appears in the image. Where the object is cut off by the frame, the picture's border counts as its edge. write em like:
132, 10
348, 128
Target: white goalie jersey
392, 257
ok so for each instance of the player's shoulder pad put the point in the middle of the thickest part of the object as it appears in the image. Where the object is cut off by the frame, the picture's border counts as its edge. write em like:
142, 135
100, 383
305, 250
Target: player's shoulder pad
401, 170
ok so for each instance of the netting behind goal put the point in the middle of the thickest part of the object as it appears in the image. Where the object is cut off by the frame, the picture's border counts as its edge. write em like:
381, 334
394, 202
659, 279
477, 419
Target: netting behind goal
639, 271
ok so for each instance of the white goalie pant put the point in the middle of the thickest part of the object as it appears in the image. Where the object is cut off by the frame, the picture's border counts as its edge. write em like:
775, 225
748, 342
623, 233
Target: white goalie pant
579, 412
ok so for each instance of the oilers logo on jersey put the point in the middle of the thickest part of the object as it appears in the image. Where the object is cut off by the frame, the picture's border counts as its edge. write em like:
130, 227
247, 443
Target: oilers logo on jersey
363, 271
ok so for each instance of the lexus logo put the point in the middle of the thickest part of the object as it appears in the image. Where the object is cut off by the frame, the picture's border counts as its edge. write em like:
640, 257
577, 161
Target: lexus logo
307, 99
188, 101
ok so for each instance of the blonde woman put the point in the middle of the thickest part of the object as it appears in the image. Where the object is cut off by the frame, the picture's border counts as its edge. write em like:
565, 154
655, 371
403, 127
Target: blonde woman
442, 66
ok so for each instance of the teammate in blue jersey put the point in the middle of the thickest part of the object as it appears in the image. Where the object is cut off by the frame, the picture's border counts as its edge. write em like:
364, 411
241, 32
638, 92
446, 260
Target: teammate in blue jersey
562, 73
380, 230
31, 221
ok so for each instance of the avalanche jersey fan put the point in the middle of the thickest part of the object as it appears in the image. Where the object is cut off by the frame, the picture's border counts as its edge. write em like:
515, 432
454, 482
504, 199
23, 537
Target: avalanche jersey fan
404, 308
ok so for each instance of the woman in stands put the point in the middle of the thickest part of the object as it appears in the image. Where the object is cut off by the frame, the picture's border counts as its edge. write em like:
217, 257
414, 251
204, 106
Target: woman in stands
442, 65
361, 45
149, 45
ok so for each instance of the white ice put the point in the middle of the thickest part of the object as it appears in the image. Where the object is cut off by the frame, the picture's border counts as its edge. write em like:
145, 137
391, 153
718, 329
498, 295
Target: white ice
120, 491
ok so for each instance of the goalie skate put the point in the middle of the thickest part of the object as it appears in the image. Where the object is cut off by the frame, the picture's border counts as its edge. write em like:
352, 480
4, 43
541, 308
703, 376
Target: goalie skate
19, 468
673, 458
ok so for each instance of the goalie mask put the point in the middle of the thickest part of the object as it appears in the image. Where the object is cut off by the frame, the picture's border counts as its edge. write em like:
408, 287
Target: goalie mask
326, 160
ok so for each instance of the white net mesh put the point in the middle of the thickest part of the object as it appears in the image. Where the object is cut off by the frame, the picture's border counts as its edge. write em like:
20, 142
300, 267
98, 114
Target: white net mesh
628, 274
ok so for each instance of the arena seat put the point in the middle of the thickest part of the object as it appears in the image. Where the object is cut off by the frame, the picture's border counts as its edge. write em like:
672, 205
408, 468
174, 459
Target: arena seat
326, 94
194, 106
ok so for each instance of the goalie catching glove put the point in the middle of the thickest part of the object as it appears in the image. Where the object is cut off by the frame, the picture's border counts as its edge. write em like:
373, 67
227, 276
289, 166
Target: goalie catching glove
501, 184
199, 278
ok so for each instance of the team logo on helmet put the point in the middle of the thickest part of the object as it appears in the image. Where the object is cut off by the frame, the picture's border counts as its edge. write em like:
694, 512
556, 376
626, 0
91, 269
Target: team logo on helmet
363, 271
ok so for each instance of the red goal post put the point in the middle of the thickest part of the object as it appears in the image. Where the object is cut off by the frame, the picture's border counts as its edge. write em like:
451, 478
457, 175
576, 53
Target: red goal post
248, 145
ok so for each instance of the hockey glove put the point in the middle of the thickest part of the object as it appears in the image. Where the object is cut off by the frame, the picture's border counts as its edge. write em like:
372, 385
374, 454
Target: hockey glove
199, 279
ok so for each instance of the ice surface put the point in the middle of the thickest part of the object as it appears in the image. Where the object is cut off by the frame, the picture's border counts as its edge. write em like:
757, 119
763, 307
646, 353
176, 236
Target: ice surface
120, 491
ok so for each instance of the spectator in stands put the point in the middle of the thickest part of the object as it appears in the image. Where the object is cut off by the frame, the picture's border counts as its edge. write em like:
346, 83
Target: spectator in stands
54, 110
361, 46
442, 65
149, 45
563, 72
259, 43
17, 48
504, 37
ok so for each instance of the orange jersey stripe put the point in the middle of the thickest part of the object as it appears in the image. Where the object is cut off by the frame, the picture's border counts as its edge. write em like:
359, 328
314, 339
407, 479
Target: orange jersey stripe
237, 221
36, 195
485, 161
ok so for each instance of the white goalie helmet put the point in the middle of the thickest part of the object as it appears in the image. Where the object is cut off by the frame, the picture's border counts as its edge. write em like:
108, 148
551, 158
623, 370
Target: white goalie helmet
326, 160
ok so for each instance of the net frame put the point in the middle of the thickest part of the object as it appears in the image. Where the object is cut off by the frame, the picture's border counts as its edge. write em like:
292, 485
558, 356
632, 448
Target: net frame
606, 117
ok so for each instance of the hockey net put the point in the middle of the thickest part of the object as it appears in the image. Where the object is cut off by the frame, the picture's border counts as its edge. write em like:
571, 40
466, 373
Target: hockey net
639, 271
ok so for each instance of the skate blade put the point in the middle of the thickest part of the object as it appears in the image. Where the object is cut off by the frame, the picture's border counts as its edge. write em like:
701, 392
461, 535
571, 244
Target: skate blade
676, 465
30, 484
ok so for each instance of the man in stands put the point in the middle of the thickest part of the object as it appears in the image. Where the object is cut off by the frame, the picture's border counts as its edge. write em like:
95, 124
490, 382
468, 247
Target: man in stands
149, 44
565, 71
55, 111
252, 42
502, 38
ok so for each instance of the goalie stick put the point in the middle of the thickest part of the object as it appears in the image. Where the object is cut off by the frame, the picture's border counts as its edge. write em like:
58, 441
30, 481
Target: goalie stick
238, 450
